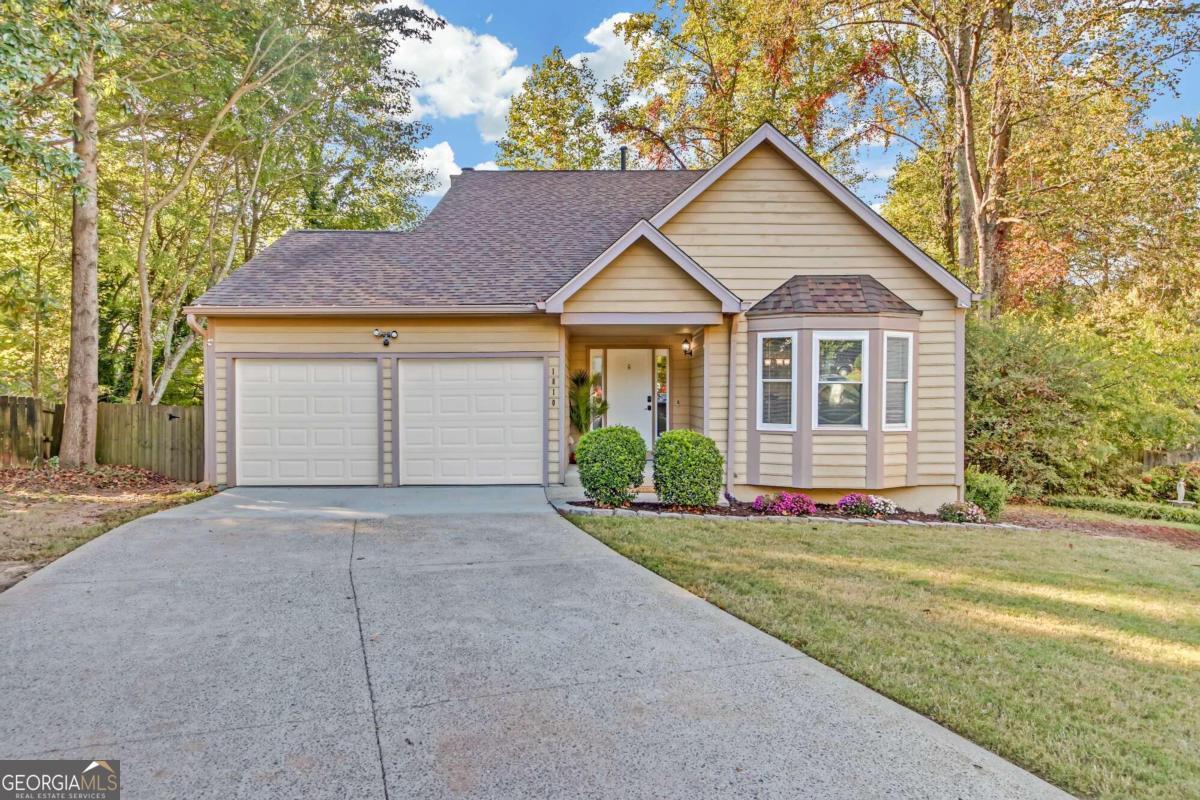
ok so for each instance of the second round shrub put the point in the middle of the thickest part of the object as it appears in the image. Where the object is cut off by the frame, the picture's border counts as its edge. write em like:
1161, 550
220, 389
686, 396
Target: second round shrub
688, 469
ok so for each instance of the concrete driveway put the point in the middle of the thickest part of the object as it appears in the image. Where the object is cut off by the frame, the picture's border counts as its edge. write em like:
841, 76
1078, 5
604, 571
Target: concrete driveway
383, 643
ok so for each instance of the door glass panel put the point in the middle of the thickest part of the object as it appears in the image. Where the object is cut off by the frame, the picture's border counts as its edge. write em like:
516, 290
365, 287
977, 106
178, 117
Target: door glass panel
662, 393
597, 361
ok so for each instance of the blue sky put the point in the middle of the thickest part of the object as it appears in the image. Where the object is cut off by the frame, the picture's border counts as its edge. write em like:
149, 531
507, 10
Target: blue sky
472, 67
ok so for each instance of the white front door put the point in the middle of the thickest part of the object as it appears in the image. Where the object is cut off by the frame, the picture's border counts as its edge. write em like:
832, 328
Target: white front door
630, 386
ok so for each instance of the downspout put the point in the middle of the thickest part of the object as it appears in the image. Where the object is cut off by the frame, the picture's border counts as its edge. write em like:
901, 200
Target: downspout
731, 412
210, 402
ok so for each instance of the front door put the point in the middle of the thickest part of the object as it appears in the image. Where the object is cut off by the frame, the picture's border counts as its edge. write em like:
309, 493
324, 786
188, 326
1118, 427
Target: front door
630, 383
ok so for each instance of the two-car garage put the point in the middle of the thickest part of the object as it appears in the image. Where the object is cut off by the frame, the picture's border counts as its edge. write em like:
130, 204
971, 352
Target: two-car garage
372, 421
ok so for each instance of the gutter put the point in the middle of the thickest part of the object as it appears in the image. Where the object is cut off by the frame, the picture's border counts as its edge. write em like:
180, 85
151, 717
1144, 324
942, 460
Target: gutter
731, 412
358, 311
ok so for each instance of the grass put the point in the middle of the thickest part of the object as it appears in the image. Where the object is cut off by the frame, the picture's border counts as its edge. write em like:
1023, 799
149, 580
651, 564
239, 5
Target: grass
57, 537
1075, 657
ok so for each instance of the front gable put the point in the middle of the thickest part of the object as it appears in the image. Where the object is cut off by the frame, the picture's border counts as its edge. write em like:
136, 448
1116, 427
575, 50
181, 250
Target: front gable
643, 273
767, 212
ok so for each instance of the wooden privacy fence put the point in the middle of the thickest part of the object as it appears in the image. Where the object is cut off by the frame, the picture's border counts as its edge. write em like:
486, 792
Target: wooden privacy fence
166, 439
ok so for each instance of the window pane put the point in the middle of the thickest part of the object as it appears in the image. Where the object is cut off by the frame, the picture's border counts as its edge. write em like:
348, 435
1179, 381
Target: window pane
777, 403
661, 392
839, 404
841, 360
897, 358
896, 412
597, 357
777, 358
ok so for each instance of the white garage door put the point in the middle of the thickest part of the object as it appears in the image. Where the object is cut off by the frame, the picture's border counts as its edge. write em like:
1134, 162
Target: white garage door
471, 421
307, 422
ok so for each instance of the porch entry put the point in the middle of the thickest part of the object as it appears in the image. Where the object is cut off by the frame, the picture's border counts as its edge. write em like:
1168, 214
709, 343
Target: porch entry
636, 383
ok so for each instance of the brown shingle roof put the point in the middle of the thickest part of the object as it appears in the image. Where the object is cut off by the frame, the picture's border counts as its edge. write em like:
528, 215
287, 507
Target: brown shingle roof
495, 238
831, 294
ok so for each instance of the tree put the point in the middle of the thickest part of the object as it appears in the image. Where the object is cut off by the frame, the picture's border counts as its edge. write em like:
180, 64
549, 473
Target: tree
192, 185
552, 121
706, 73
1012, 68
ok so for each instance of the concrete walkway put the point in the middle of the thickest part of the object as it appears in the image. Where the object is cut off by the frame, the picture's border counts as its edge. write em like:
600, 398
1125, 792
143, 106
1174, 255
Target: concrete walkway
383, 643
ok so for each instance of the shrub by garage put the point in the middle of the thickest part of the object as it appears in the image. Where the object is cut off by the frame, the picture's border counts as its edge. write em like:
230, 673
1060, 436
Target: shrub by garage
611, 462
688, 469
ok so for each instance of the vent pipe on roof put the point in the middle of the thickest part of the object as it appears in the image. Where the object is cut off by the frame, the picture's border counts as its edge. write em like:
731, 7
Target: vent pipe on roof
624, 150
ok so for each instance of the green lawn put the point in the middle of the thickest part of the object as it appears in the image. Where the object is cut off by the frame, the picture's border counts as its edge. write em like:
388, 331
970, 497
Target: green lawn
1074, 656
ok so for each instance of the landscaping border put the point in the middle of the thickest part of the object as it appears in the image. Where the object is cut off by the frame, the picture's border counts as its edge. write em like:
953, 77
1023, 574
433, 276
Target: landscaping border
565, 508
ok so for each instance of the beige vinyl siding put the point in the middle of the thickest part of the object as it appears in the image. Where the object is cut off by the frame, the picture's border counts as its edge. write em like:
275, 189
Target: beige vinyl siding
895, 459
775, 459
764, 221
221, 422
680, 369
642, 279
388, 421
555, 399
535, 332
716, 345
840, 461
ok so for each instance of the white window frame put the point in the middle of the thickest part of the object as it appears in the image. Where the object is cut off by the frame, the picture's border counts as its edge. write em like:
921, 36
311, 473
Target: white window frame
823, 336
908, 383
775, 426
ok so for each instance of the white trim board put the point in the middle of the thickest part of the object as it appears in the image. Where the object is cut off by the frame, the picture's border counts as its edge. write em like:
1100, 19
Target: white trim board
768, 134
730, 302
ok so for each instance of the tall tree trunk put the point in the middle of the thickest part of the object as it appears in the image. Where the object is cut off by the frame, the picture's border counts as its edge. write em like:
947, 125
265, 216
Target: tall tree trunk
35, 381
991, 230
79, 420
966, 195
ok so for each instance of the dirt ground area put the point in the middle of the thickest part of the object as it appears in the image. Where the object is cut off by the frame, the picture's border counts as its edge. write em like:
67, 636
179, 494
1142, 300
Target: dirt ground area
47, 512
1098, 524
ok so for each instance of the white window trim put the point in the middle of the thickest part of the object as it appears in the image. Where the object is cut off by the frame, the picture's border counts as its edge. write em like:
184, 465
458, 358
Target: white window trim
820, 336
908, 384
775, 426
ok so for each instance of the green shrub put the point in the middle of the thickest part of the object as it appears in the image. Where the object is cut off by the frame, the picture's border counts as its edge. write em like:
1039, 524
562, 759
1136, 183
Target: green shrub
611, 462
961, 511
1160, 483
1128, 508
987, 490
688, 469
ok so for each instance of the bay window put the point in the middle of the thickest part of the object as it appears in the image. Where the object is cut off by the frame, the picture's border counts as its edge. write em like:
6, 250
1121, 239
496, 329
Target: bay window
839, 382
777, 382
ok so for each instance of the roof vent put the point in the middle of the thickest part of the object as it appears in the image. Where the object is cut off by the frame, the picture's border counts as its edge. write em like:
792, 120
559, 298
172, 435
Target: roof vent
624, 151
468, 169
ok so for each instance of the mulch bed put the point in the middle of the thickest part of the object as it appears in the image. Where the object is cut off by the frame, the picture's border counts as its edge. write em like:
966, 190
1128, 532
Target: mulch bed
1135, 529
740, 509
101, 479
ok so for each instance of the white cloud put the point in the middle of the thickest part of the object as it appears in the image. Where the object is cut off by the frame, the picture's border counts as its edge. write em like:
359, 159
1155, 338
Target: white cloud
439, 160
462, 74
487, 166
611, 52
488, 21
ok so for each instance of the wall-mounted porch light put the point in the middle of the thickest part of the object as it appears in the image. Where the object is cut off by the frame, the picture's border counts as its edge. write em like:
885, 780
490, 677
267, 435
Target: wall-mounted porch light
687, 346
386, 336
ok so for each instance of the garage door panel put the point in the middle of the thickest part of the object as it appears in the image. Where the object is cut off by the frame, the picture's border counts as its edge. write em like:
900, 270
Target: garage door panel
307, 422
471, 421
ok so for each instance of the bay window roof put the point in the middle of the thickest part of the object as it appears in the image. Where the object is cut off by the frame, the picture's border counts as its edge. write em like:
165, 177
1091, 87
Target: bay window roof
831, 294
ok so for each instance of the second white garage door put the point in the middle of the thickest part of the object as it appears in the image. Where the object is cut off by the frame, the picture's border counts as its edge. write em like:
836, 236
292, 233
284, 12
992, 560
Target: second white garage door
471, 421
